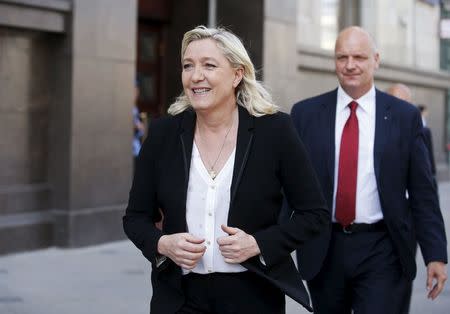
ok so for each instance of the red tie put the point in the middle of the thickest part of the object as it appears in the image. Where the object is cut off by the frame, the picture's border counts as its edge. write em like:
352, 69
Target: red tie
348, 170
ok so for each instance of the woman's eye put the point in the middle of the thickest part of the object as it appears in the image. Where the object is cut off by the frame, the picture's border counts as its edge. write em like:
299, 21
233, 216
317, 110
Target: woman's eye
210, 65
187, 66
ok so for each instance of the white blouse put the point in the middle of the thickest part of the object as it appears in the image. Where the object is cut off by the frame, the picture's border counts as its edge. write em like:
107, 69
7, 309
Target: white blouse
207, 206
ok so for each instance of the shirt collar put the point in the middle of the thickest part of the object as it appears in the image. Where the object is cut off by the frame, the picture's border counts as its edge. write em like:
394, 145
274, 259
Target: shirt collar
365, 102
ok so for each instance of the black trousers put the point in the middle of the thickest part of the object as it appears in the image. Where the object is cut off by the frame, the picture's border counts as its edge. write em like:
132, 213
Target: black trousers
361, 272
231, 293
407, 300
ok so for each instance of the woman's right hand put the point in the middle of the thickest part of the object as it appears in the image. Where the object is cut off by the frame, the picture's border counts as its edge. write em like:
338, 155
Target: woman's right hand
182, 248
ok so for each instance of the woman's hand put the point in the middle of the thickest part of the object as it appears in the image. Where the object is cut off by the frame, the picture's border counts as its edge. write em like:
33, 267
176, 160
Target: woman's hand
238, 246
182, 248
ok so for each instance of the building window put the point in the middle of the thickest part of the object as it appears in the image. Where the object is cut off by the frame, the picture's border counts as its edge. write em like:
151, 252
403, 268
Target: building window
406, 31
317, 23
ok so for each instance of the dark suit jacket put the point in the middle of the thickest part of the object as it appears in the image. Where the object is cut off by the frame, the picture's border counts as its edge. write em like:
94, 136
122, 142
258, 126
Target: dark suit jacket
428, 139
401, 164
269, 157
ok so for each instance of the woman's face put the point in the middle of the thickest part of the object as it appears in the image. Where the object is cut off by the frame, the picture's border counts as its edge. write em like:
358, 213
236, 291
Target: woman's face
209, 81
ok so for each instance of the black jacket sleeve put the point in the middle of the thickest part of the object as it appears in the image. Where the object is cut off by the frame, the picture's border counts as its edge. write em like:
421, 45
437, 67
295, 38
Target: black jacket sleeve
142, 210
304, 196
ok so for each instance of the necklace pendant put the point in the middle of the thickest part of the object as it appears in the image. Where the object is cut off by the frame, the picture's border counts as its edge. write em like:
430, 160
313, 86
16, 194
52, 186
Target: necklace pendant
212, 174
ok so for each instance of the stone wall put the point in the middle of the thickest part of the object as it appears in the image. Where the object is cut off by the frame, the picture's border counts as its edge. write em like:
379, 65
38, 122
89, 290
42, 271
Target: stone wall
25, 97
66, 93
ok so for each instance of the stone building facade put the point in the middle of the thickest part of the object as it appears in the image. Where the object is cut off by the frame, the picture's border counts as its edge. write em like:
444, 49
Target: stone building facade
67, 73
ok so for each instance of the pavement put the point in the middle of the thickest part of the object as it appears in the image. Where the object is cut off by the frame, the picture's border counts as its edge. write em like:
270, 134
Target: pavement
114, 278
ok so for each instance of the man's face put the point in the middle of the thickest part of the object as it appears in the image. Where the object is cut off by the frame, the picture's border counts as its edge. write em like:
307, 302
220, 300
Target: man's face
355, 62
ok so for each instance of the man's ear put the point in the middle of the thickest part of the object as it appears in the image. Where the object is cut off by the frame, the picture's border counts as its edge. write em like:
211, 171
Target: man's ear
377, 60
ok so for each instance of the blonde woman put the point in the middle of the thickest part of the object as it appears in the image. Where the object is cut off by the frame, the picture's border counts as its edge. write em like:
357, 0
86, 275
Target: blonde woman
216, 167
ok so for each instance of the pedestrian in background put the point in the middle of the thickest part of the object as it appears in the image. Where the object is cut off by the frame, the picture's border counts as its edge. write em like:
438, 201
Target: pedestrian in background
368, 150
138, 126
401, 91
428, 138
216, 168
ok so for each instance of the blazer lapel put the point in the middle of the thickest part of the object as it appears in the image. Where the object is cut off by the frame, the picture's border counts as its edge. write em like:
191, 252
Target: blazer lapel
329, 125
187, 128
243, 144
382, 130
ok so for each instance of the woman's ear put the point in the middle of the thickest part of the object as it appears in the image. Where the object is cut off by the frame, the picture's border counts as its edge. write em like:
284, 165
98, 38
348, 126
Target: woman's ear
238, 75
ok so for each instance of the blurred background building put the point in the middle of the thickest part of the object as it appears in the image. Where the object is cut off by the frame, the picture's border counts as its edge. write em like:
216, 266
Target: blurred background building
67, 73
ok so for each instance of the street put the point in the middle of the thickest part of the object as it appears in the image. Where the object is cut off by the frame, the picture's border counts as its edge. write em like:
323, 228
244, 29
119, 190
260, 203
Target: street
115, 279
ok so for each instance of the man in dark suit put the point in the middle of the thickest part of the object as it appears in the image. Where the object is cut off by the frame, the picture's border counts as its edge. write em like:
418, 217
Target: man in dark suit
368, 151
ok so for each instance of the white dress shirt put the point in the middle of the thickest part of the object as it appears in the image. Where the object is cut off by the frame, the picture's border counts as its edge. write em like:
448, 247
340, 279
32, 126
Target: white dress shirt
368, 207
207, 206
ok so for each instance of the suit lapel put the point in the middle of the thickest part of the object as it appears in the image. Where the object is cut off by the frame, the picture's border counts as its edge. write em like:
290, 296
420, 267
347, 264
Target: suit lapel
187, 129
243, 144
382, 130
329, 125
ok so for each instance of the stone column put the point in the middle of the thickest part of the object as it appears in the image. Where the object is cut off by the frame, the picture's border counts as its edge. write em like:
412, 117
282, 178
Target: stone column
90, 160
281, 51
27, 29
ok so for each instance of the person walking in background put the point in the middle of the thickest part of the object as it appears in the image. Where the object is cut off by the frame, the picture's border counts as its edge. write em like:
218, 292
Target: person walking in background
368, 150
216, 168
428, 138
138, 126
401, 91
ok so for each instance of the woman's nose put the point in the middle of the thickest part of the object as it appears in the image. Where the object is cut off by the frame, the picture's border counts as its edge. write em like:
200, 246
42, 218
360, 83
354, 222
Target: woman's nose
198, 74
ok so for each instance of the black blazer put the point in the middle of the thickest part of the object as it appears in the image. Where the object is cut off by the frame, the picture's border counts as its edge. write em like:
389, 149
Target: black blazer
269, 158
401, 164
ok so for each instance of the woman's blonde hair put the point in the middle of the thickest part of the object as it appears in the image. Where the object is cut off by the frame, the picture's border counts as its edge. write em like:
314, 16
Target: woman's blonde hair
250, 93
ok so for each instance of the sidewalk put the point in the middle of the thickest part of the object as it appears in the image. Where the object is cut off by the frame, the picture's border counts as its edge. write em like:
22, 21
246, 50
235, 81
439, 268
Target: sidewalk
115, 279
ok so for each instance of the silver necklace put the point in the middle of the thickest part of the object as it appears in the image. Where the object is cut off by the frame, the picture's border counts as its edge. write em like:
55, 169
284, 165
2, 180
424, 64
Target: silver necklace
212, 173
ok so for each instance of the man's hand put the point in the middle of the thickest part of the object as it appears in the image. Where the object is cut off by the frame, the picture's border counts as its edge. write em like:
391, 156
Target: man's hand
436, 271
182, 248
238, 246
